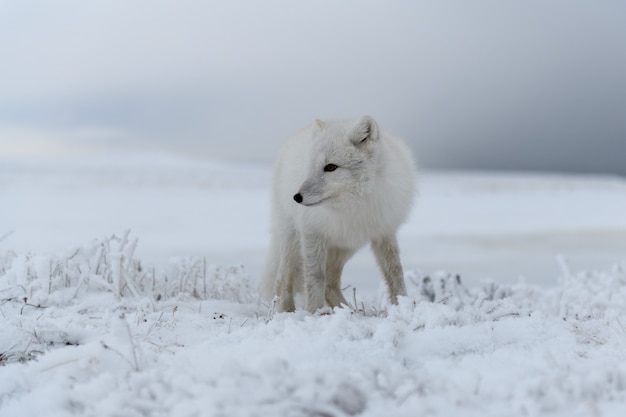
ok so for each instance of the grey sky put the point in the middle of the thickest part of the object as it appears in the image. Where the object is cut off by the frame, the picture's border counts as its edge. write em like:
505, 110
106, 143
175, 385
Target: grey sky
483, 84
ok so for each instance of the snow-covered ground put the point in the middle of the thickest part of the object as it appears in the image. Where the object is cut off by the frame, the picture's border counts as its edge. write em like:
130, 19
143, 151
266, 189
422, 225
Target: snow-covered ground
127, 288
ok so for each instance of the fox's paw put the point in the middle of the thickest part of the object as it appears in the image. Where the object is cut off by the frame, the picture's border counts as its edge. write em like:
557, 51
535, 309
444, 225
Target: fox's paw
324, 311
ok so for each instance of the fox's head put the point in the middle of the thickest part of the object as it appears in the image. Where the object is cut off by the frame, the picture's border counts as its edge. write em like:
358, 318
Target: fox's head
343, 162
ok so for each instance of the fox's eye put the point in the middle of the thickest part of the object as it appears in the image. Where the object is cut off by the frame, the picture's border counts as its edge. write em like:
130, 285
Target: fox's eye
330, 168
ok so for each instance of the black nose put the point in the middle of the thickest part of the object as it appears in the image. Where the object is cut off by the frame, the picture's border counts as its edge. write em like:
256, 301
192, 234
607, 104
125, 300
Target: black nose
298, 198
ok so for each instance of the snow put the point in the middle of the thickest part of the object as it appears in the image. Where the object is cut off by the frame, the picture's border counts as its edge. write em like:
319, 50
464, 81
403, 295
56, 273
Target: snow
128, 288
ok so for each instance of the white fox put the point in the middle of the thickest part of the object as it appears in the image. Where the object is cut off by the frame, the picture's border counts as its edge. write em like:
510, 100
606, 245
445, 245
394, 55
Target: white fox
352, 184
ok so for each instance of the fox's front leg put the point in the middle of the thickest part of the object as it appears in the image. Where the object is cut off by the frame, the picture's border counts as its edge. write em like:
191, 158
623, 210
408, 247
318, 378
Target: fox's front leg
335, 261
388, 257
314, 256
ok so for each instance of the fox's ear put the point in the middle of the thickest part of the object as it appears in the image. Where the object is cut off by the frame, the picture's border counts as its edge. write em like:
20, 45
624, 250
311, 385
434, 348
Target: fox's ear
364, 132
319, 124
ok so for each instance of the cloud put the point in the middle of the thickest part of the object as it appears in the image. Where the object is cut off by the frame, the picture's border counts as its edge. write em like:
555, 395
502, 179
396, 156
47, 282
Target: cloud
477, 84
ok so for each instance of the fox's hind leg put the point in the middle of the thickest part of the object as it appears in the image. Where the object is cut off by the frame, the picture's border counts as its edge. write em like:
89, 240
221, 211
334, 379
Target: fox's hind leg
388, 257
289, 267
337, 258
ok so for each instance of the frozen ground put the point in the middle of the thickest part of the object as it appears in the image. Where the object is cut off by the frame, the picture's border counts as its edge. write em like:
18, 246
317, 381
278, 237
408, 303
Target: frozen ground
165, 320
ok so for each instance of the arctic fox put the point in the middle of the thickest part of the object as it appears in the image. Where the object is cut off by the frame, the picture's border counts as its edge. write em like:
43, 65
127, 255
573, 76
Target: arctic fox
337, 185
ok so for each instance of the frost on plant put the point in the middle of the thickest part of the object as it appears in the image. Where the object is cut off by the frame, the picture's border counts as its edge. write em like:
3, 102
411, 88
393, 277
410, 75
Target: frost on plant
109, 265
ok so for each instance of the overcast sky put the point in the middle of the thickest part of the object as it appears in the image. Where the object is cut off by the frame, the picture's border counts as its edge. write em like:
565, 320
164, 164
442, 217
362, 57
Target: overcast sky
484, 84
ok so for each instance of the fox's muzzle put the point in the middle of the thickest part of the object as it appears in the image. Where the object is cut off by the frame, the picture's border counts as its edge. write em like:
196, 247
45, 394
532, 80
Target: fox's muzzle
298, 198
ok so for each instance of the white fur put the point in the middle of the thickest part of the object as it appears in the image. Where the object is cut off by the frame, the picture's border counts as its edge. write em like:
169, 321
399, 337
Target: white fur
365, 199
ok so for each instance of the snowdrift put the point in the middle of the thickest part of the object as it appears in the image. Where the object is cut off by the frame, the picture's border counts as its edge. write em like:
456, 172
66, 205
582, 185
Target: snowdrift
96, 332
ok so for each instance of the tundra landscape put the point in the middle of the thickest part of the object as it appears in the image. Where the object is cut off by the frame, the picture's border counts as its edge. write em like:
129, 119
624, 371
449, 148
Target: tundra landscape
128, 286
